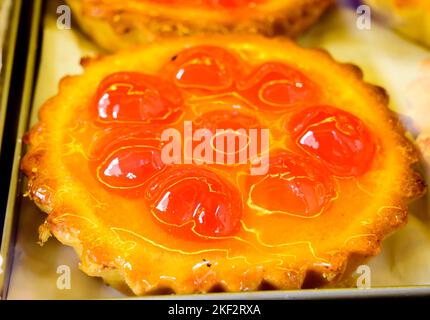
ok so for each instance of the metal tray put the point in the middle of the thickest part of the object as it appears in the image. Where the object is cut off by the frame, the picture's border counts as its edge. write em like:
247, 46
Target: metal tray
15, 204
27, 16
9, 19
8, 35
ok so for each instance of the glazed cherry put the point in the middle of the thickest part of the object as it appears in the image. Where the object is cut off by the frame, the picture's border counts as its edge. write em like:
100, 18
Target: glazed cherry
275, 86
195, 196
294, 185
129, 167
339, 139
206, 68
136, 97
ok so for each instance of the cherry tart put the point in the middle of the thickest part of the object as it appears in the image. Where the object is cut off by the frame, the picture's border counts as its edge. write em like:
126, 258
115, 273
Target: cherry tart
116, 24
118, 163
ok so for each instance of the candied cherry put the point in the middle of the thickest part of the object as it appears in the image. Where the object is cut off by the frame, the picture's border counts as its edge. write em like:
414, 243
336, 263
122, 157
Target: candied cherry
339, 139
294, 185
186, 194
130, 167
275, 86
205, 68
137, 97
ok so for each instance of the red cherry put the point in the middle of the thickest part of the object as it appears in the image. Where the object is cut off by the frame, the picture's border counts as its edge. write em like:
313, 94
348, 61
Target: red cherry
339, 139
276, 87
129, 167
136, 97
203, 68
295, 185
197, 196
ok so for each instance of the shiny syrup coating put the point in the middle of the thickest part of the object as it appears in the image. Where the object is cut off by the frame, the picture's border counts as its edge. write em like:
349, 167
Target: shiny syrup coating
216, 89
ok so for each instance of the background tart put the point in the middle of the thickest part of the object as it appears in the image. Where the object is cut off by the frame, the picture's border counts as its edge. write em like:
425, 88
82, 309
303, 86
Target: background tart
410, 17
339, 177
116, 24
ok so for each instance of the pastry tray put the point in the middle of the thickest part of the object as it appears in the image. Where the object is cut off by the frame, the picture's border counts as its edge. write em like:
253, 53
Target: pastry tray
7, 46
22, 43
30, 271
9, 20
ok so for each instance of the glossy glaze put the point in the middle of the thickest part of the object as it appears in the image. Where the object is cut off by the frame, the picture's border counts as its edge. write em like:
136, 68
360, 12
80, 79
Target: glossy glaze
311, 143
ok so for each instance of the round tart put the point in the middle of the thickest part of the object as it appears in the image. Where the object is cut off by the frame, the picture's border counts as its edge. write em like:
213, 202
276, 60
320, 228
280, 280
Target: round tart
336, 181
116, 24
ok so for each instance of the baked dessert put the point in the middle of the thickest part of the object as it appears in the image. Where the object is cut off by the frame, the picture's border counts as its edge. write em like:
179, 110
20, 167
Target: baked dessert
337, 180
115, 24
410, 17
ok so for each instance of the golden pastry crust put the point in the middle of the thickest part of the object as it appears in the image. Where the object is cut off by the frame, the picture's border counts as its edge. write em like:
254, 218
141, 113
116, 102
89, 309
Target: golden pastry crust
318, 252
409, 17
119, 24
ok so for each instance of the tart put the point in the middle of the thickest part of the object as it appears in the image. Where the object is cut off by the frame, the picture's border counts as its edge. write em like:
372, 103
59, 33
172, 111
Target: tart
115, 24
336, 181
409, 17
